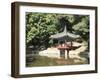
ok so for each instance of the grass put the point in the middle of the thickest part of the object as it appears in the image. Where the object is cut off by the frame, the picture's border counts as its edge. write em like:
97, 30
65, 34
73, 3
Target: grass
46, 61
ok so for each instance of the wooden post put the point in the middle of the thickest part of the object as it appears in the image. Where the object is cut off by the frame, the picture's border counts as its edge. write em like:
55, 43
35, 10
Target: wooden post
71, 44
68, 54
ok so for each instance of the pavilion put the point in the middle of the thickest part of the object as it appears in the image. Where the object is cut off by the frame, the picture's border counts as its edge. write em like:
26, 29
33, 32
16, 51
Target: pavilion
64, 38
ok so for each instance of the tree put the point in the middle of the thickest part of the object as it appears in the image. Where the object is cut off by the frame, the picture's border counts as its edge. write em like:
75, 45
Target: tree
39, 27
82, 27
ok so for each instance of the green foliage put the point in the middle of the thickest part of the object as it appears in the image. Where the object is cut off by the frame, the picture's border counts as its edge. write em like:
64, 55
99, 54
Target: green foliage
39, 26
82, 27
51, 42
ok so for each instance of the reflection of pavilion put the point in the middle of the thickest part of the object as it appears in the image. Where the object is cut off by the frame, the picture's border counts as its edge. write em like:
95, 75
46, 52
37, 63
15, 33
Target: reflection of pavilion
65, 39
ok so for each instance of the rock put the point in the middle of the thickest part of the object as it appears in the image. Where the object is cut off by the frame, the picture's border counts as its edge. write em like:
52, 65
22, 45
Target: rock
50, 52
54, 52
77, 61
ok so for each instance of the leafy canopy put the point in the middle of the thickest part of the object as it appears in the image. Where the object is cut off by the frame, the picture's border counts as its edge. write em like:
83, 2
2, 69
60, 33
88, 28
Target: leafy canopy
39, 26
